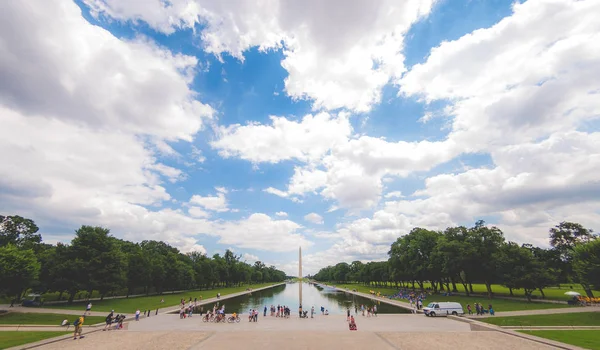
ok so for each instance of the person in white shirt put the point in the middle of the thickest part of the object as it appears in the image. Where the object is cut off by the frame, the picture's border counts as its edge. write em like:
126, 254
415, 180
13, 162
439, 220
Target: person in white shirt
137, 315
88, 309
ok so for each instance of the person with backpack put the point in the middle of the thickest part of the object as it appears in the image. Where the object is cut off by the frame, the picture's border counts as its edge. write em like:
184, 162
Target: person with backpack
109, 320
78, 324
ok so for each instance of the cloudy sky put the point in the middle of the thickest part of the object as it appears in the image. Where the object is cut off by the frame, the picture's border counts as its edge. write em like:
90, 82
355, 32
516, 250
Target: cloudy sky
262, 126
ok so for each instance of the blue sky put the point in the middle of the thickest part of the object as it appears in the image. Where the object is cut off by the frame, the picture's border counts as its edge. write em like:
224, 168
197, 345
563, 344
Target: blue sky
263, 126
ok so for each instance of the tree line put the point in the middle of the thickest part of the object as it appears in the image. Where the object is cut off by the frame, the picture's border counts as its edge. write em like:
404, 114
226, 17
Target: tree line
96, 261
458, 257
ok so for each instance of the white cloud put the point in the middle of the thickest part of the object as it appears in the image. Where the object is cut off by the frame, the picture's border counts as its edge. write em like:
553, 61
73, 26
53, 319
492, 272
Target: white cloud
394, 194
216, 203
314, 218
198, 212
306, 140
94, 79
339, 59
250, 258
282, 214
259, 231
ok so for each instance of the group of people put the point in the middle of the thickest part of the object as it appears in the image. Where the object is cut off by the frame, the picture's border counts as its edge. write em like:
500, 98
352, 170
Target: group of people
480, 309
116, 320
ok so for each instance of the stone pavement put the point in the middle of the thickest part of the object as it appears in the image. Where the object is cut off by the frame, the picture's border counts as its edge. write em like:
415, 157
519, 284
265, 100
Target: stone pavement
400, 331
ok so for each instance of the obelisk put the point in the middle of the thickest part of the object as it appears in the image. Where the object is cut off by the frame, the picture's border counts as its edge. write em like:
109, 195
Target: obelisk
300, 275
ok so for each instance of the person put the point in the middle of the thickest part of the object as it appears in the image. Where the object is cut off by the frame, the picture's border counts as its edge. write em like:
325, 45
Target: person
312, 312
300, 310
491, 310
348, 314
137, 314
469, 309
326, 312
78, 327
250, 315
108, 320
352, 324
375, 310
322, 310
265, 311
413, 308
88, 309
355, 309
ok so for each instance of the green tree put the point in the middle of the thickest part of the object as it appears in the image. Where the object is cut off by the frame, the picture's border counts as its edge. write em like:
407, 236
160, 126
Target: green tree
97, 254
19, 231
586, 263
19, 268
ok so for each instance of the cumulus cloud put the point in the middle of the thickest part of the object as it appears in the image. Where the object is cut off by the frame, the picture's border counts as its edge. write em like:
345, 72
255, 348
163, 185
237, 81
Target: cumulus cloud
337, 58
216, 203
314, 218
282, 214
285, 139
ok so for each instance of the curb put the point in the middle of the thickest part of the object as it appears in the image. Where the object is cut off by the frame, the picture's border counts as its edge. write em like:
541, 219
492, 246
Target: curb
495, 328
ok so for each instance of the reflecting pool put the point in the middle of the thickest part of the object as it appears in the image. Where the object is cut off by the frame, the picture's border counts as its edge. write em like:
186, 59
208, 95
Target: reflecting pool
336, 302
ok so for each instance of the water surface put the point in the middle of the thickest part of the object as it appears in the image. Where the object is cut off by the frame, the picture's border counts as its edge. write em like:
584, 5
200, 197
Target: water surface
312, 295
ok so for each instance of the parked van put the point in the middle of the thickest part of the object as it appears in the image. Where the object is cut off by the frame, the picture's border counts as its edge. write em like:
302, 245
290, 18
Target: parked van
443, 309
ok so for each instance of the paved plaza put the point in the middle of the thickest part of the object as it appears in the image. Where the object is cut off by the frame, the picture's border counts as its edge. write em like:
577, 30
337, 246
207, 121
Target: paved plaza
323, 332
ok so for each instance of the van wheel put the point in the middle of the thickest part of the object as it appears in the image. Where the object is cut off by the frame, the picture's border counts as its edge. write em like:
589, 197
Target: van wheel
432, 314
454, 313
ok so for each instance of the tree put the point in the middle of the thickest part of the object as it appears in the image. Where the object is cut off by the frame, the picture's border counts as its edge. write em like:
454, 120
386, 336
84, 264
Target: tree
586, 263
18, 231
97, 254
564, 237
19, 268
486, 242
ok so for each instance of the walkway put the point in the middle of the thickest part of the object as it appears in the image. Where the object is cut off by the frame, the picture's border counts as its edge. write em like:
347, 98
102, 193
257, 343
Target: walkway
569, 310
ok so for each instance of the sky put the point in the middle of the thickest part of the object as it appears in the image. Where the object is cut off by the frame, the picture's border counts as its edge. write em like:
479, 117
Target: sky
262, 126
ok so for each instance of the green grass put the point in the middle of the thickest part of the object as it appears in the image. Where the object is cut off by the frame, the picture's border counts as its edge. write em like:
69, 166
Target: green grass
498, 304
130, 305
9, 339
589, 339
44, 319
574, 319
551, 293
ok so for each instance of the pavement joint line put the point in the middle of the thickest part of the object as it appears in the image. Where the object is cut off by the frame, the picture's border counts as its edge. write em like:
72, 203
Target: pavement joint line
198, 345
386, 341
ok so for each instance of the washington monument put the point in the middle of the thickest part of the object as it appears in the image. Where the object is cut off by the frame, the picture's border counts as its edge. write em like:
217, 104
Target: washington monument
300, 275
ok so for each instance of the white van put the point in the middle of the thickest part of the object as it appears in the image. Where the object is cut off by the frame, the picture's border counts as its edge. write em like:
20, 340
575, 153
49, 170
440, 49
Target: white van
444, 308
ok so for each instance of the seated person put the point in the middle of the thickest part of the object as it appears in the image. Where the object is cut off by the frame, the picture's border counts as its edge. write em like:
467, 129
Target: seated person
326, 312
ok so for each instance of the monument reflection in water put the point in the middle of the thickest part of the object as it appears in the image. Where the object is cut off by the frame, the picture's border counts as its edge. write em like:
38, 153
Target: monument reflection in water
331, 299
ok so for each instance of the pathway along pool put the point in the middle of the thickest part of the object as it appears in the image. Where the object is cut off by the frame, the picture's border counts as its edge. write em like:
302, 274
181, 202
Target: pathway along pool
312, 295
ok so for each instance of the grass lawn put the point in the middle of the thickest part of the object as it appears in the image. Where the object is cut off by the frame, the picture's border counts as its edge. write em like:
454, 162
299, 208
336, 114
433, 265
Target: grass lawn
128, 306
498, 304
44, 319
9, 339
589, 339
575, 319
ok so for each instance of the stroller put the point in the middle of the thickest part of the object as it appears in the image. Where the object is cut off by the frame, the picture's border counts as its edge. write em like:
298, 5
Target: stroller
352, 326
304, 314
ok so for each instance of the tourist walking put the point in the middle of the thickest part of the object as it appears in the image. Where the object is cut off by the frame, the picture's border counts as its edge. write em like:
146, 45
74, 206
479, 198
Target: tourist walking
78, 327
265, 311
88, 309
137, 314
108, 320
